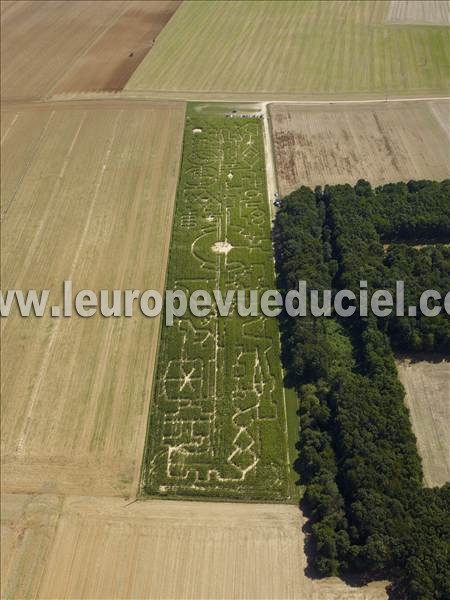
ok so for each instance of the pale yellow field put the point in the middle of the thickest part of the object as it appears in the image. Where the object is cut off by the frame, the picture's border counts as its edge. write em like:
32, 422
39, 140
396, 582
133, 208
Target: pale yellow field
87, 195
419, 12
427, 387
104, 548
321, 144
28, 525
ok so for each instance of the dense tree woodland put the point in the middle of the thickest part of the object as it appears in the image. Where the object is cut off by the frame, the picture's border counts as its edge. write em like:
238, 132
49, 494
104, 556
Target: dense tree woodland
357, 453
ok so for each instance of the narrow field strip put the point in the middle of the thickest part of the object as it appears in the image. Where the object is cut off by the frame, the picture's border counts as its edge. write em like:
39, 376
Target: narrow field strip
217, 425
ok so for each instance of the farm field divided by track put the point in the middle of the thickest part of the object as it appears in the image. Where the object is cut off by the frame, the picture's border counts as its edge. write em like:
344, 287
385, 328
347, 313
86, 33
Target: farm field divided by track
218, 424
87, 195
109, 63
97, 548
427, 386
319, 145
88, 192
278, 47
76, 46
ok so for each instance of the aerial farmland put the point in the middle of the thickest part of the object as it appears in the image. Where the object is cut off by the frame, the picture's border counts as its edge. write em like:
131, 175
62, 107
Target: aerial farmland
89, 46
265, 50
430, 381
329, 144
87, 202
223, 147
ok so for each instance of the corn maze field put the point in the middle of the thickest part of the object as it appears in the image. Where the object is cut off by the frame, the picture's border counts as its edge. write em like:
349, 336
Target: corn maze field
217, 423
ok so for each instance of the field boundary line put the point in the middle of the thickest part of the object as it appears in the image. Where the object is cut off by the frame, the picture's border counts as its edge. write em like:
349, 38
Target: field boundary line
102, 98
269, 97
272, 181
219, 97
271, 174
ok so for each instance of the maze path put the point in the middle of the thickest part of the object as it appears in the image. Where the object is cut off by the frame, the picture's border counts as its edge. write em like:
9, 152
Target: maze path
217, 425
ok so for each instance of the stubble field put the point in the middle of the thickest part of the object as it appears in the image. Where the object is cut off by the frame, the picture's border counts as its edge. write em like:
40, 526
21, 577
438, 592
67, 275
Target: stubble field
306, 49
87, 195
319, 145
103, 548
427, 386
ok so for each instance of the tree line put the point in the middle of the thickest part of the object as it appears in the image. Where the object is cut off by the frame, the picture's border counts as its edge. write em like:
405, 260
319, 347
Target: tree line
358, 457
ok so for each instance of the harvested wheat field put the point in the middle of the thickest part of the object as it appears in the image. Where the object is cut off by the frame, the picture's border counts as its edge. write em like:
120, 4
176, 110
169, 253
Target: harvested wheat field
106, 548
318, 145
87, 196
75, 46
419, 12
28, 525
427, 387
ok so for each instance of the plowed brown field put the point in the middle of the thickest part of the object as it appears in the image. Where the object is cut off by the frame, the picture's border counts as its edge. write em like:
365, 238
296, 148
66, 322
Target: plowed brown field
76, 45
108, 64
